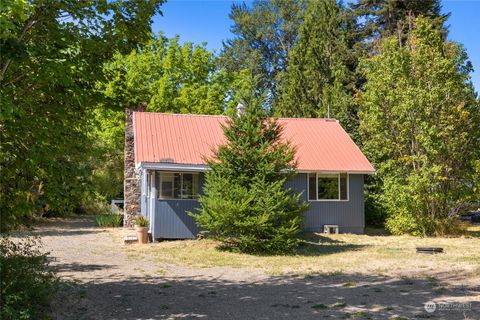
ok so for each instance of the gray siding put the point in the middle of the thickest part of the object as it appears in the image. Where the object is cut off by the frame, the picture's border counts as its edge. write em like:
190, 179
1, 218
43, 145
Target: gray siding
171, 219
143, 198
348, 215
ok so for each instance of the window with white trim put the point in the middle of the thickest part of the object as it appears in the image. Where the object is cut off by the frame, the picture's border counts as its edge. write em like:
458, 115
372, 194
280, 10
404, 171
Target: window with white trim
327, 186
177, 185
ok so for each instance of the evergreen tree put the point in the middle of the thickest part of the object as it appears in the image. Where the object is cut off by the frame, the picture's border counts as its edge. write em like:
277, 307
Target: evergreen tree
377, 18
264, 32
317, 75
245, 204
420, 126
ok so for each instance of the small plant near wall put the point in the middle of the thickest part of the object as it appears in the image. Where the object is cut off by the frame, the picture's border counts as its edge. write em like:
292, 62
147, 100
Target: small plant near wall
141, 226
141, 221
109, 220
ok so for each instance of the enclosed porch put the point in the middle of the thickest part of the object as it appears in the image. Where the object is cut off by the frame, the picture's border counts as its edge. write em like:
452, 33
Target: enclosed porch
167, 199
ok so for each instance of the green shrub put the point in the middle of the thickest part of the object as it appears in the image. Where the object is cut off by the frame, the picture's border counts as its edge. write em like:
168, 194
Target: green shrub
109, 220
401, 223
27, 282
141, 221
414, 208
375, 213
93, 205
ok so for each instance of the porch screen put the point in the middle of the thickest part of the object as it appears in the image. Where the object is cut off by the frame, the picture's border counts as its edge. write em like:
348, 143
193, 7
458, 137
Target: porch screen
177, 185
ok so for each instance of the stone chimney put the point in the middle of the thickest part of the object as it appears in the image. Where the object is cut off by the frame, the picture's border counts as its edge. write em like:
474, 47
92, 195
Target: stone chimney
131, 182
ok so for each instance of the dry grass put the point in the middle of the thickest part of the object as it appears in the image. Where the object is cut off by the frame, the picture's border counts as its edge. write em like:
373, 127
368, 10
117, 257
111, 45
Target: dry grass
333, 254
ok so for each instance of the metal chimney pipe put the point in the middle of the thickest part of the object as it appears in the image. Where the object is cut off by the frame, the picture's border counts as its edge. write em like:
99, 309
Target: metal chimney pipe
240, 109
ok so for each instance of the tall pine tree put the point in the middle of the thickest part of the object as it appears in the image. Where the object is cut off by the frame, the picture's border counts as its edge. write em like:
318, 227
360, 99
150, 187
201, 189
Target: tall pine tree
317, 75
245, 204
264, 32
378, 18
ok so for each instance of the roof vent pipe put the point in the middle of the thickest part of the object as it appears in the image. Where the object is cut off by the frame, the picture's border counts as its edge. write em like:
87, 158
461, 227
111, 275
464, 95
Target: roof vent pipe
240, 109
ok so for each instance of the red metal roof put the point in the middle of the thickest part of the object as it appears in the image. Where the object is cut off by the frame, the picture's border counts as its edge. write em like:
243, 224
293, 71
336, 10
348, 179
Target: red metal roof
322, 144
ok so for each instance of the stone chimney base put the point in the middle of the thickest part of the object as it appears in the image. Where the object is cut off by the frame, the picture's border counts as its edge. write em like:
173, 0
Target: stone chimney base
131, 182
132, 200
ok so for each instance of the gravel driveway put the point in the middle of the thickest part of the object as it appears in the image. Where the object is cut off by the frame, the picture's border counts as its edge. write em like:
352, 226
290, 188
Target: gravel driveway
103, 282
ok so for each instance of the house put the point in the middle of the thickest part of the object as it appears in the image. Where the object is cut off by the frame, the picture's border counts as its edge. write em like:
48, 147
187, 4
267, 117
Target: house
165, 171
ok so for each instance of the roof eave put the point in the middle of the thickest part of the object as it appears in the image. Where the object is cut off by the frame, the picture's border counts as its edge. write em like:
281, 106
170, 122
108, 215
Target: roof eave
172, 166
203, 167
337, 171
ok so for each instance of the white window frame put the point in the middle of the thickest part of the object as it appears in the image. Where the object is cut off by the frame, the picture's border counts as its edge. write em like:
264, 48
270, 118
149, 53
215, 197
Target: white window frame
316, 187
159, 197
160, 189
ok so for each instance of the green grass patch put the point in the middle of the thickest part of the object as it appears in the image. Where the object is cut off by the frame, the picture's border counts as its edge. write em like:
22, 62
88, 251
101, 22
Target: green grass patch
109, 220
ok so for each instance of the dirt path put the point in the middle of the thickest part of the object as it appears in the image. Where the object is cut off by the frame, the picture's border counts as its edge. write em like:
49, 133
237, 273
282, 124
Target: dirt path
106, 284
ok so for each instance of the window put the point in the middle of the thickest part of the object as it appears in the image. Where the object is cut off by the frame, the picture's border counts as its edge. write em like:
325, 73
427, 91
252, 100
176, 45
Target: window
327, 186
177, 185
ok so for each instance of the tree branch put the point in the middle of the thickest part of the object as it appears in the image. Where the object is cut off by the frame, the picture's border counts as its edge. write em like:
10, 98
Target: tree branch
28, 25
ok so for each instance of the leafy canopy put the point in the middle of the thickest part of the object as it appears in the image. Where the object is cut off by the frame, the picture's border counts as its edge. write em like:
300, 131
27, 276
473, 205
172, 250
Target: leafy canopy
264, 32
167, 77
52, 56
162, 75
420, 126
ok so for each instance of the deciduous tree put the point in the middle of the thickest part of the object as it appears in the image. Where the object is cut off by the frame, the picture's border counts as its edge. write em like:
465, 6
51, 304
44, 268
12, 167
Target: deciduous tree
420, 126
52, 54
167, 77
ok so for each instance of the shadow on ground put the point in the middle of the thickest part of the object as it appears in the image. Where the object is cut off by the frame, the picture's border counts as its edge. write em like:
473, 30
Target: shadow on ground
116, 295
78, 267
336, 297
314, 244
81, 225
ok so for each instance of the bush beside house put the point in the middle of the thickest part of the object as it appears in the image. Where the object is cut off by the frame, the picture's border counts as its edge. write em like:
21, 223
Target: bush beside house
109, 220
26, 281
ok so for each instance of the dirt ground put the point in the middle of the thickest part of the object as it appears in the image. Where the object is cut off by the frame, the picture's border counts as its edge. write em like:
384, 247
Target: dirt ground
104, 281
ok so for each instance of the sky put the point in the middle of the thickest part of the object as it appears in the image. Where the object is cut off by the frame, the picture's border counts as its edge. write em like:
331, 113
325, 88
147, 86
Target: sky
200, 21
